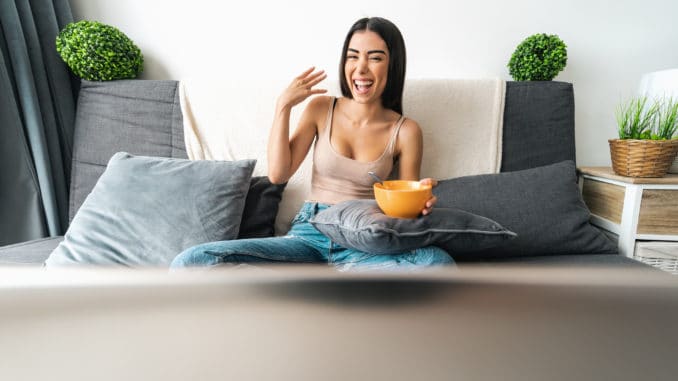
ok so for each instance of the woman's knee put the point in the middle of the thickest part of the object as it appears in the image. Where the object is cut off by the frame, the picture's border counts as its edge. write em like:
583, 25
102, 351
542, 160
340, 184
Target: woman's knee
432, 256
199, 255
236, 251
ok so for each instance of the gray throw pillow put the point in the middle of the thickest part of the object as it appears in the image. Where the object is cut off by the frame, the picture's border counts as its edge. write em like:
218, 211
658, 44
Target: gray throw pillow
542, 205
143, 211
361, 225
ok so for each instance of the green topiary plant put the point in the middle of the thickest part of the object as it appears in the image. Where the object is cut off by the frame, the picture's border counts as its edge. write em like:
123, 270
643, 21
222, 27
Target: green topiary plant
99, 52
539, 57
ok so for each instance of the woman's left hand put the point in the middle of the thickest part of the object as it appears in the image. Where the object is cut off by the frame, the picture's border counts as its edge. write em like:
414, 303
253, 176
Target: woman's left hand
431, 201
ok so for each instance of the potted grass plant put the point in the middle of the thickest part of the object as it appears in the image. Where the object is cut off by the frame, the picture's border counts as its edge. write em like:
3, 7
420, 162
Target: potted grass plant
647, 143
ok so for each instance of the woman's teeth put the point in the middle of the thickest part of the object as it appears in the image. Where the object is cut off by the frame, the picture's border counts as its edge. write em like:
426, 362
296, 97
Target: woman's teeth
362, 86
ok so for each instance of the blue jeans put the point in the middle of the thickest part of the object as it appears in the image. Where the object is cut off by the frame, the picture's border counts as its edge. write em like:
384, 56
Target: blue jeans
305, 244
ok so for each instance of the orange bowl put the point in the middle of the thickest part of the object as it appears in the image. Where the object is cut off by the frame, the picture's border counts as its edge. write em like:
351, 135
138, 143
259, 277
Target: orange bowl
402, 198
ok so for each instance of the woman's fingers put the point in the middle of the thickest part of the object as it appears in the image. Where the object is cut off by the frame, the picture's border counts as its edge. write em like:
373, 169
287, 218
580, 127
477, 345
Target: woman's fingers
429, 181
302, 86
316, 78
309, 80
429, 205
428, 208
317, 91
307, 76
305, 73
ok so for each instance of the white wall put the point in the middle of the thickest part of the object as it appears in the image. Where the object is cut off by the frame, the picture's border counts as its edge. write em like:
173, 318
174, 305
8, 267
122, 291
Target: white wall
610, 43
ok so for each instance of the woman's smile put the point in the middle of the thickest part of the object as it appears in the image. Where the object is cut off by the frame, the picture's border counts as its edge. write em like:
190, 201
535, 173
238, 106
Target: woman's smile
362, 86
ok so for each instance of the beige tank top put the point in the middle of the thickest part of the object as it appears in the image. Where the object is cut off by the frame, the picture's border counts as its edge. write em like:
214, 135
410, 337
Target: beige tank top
338, 178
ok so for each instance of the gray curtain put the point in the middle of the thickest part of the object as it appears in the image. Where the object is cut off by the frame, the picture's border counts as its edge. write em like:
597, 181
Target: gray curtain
37, 112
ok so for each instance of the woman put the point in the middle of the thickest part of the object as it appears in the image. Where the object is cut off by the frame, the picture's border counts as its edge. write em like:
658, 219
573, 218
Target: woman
362, 131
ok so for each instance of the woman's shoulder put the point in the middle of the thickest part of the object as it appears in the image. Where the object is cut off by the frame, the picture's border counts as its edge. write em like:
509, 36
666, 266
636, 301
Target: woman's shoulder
409, 133
410, 126
320, 103
316, 110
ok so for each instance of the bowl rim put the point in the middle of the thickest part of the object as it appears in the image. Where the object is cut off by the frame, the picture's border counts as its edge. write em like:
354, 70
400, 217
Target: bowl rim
424, 187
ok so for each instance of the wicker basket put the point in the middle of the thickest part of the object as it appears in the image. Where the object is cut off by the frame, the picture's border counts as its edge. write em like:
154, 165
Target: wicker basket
663, 255
674, 166
642, 158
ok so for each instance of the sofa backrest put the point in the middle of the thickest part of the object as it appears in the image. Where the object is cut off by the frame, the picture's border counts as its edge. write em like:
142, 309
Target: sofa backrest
143, 117
136, 116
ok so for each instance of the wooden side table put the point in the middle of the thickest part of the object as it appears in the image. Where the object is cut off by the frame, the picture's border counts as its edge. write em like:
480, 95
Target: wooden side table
633, 208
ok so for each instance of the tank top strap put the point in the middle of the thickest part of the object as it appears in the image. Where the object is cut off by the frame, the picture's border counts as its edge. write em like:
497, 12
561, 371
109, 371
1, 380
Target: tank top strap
330, 112
391, 144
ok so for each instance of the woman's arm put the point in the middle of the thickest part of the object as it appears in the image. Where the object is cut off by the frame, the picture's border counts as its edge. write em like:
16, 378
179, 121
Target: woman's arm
286, 153
411, 144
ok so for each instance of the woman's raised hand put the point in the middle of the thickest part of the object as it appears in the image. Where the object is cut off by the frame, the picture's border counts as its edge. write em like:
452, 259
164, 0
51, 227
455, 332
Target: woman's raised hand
302, 88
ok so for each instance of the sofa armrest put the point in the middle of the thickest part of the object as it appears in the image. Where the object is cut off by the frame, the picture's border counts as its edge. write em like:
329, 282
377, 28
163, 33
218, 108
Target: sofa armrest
538, 124
29, 253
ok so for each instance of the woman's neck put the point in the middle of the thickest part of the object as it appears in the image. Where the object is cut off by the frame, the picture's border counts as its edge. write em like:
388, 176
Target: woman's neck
363, 113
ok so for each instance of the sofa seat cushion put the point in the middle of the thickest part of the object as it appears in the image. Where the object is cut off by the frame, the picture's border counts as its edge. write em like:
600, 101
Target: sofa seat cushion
27, 253
570, 260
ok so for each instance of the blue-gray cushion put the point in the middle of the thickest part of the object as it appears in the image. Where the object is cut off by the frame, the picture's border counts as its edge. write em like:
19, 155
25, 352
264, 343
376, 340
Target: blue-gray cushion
143, 211
361, 225
542, 205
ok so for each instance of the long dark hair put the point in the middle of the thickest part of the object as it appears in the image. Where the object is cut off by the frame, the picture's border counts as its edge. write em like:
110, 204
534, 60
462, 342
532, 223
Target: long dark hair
392, 98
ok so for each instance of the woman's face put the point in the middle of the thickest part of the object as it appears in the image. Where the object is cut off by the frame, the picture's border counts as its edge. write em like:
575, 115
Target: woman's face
366, 67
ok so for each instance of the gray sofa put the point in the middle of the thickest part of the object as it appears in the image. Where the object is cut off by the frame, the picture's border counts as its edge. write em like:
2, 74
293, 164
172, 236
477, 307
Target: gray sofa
143, 117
